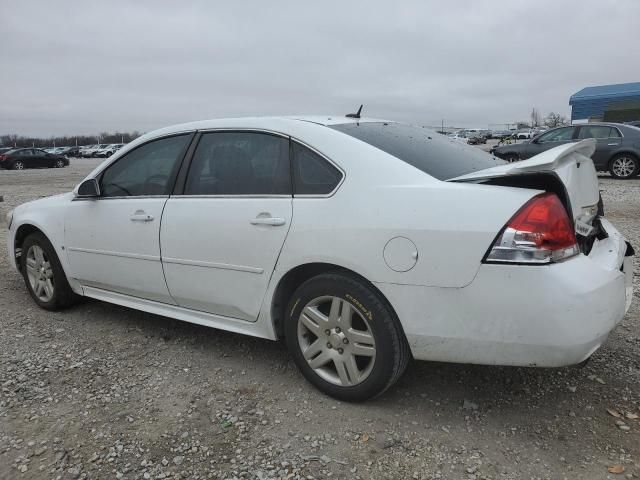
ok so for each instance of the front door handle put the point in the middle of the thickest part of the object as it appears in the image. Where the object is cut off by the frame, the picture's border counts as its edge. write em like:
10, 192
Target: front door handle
272, 221
141, 216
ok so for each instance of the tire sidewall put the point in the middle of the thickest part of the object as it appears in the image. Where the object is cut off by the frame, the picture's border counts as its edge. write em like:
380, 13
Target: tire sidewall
59, 278
365, 301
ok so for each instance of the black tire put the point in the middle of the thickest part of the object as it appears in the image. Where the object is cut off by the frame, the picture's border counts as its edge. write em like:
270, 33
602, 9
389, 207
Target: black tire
59, 164
512, 157
63, 296
392, 352
17, 165
616, 172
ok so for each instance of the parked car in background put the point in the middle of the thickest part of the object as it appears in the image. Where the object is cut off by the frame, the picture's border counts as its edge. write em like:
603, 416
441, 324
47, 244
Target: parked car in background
355, 269
476, 138
108, 150
70, 151
22, 158
523, 134
91, 150
500, 134
617, 150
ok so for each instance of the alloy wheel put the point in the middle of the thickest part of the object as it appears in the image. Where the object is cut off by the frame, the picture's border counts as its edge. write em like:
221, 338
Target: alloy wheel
18, 166
623, 166
40, 273
59, 164
336, 340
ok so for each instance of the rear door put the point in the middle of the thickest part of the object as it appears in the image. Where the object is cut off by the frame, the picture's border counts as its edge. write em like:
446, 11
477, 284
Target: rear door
222, 232
608, 139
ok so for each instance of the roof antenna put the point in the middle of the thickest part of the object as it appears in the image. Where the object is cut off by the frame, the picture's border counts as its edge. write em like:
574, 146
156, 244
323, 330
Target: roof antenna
354, 115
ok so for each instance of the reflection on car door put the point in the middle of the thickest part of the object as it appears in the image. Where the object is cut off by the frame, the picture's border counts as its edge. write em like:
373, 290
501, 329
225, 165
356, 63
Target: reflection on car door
112, 242
222, 234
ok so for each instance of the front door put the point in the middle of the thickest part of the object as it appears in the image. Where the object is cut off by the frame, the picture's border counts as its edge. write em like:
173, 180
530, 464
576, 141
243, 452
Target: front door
551, 139
222, 235
112, 242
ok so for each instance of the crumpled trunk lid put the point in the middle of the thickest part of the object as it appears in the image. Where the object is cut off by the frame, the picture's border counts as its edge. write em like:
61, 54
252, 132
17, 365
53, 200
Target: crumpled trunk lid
571, 163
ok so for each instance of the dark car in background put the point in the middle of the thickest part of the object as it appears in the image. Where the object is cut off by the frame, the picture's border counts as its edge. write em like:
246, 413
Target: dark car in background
21, 158
617, 150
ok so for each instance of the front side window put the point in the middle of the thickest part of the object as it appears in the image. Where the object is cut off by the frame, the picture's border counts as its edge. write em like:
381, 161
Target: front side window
240, 163
147, 170
560, 135
312, 174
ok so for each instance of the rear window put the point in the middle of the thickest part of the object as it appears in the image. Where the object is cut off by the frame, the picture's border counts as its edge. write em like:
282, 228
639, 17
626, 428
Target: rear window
422, 148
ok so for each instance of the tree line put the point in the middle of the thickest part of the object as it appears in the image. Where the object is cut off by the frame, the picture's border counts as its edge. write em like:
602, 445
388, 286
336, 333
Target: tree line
20, 141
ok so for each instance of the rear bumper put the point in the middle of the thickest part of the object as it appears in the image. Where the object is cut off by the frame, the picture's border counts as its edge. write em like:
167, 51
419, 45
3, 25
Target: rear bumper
545, 316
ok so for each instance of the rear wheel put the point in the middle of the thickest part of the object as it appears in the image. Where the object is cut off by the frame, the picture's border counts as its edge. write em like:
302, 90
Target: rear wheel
344, 337
43, 274
18, 165
624, 166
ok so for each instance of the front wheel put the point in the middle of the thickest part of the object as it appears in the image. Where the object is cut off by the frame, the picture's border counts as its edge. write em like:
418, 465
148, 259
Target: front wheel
624, 166
59, 164
345, 338
43, 274
512, 157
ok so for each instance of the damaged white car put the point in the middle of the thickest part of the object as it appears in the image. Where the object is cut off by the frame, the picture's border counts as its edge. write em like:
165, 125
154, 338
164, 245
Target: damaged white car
362, 243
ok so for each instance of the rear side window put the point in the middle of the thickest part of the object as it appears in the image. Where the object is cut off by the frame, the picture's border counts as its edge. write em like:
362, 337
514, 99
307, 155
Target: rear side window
598, 131
422, 148
312, 174
240, 163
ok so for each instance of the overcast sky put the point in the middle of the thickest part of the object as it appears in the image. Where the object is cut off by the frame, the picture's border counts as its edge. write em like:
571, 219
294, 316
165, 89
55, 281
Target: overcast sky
89, 66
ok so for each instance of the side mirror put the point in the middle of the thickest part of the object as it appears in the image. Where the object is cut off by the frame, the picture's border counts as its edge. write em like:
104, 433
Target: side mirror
89, 189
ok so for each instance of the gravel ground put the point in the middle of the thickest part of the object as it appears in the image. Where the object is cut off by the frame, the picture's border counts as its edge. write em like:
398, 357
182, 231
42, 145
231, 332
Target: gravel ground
100, 391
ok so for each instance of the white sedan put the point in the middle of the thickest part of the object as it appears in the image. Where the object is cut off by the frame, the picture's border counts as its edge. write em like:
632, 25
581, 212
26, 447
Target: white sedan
362, 243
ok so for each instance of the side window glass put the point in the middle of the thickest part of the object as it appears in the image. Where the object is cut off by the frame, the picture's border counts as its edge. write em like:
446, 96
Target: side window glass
240, 163
595, 131
560, 135
147, 170
312, 174
614, 133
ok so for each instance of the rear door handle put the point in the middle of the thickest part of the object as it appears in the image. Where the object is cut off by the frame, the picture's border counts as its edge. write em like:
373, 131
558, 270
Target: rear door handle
272, 221
141, 216
612, 144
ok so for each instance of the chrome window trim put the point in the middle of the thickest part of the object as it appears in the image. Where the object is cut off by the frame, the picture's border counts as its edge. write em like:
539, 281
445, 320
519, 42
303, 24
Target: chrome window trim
125, 197
231, 196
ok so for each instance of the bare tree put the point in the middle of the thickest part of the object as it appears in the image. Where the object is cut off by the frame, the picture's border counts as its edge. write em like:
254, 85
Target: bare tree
555, 120
535, 118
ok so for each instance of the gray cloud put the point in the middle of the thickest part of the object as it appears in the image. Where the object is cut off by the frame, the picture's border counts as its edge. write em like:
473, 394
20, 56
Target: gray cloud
84, 66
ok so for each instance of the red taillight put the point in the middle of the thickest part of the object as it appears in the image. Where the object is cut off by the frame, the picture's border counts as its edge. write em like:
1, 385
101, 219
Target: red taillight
3, 157
540, 232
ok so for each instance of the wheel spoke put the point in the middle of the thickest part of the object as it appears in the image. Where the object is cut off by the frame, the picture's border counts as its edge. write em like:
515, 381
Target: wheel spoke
48, 287
313, 349
345, 316
37, 253
320, 360
39, 288
347, 370
363, 350
334, 313
313, 320
31, 267
358, 336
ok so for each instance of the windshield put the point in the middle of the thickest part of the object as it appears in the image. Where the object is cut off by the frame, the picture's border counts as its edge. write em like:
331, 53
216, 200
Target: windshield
422, 148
